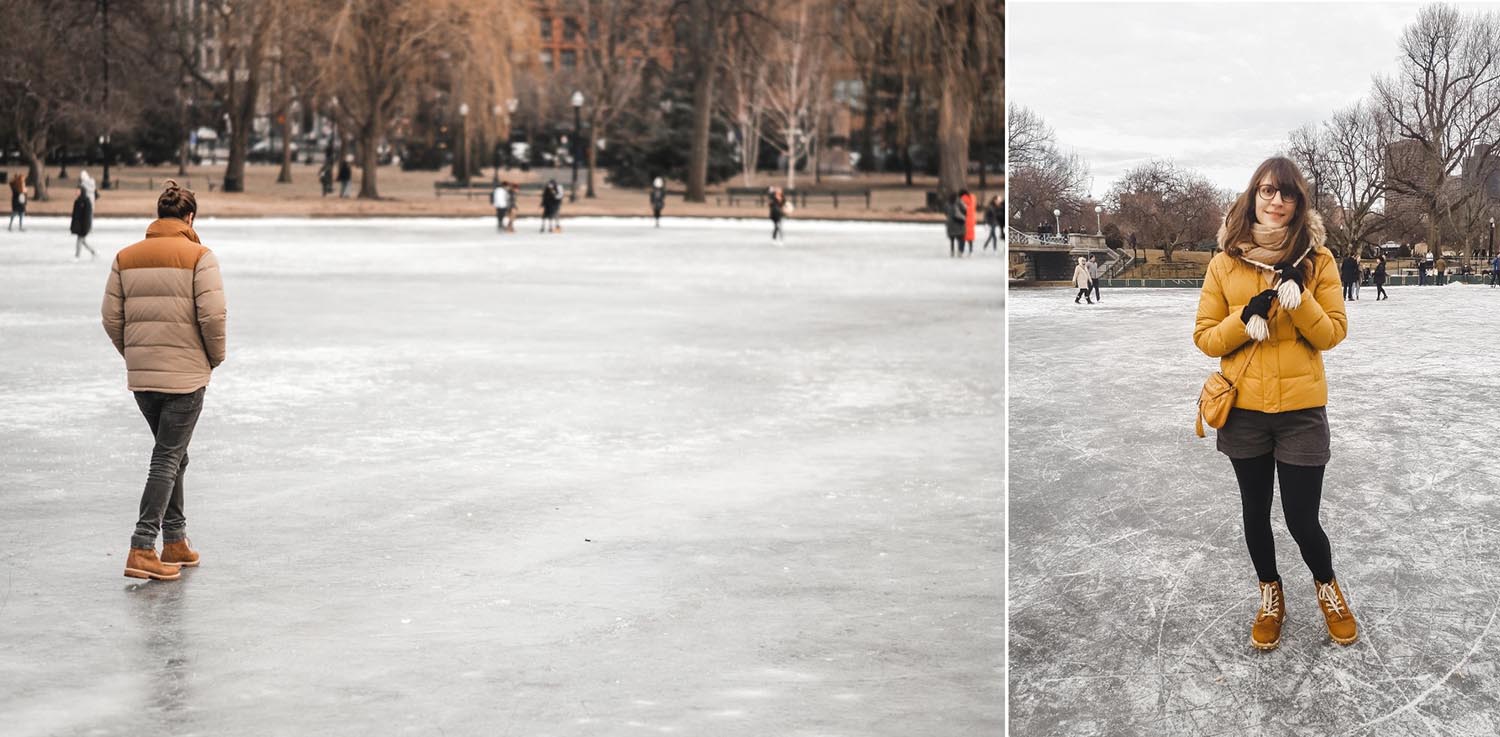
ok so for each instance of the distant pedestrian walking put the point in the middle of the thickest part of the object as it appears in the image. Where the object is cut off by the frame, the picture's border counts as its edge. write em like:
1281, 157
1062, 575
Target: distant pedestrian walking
1421, 272
1094, 275
992, 220
1441, 271
164, 311
658, 199
17, 201
346, 175
1494, 272
1380, 276
86, 183
957, 215
1267, 312
1082, 280
82, 223
325, 177
500, 200
778, 211
514, 192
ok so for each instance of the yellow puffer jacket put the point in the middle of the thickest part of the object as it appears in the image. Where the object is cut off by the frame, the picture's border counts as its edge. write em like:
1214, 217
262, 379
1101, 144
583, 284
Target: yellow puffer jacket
1286, 372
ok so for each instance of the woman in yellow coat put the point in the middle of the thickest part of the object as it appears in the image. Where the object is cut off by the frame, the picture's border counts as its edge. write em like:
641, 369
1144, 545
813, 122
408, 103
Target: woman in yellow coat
1271, 304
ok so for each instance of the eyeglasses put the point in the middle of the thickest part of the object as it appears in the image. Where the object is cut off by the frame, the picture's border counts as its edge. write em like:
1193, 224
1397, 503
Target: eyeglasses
1268, 193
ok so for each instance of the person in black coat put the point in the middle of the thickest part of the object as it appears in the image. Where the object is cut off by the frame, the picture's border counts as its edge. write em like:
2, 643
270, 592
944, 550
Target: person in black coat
658, 199
346, 174
1380, 279
778, 211
83, 223
958, 215
1349, 274
551, 205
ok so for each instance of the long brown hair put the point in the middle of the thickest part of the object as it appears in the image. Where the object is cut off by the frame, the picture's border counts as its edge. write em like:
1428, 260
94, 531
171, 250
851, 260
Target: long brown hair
1241, 217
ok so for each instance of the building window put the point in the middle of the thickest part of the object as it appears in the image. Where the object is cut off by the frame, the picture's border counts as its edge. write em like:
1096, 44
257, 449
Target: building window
569, 59
547, 60
570, 29
547, 29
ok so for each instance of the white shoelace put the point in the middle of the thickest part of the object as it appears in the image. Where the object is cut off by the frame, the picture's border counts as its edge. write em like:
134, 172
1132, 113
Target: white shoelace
1270, 603
1327, 593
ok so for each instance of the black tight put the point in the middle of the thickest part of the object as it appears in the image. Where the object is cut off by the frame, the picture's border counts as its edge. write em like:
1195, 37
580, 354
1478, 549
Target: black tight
1301, 492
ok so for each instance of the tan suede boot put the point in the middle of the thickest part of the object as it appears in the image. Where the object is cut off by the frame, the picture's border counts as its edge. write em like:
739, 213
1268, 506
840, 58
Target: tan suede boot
143, 563
1336, 611
1265, 633
180, 552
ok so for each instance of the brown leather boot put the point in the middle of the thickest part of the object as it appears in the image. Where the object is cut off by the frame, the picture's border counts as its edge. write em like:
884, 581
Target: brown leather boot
1265, 633
143, 563
180, 552
1336, 611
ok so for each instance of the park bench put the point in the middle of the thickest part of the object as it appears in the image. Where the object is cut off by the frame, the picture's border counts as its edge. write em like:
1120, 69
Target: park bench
442, 187
797, 196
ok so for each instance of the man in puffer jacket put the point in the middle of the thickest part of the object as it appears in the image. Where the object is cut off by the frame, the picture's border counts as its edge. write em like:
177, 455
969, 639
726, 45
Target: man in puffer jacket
164, 311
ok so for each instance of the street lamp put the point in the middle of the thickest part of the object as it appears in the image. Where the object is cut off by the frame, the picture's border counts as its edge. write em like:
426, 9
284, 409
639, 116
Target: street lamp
577, 125
495, 154
1057, 216
462, 163
1099, 218
1491, 250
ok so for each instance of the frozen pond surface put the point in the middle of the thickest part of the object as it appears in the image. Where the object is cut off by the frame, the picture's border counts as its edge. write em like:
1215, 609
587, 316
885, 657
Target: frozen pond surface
1131, 591
615, 481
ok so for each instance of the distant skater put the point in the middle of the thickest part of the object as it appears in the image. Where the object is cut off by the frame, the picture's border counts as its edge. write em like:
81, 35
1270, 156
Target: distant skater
513, 192
1267, 311
1494, 271
551, 206
500, 200
992, 221
1349, 275
1082, 281
658, 199
778, 211
164, 311
82, 223
17, 201
1380, 274
346, 175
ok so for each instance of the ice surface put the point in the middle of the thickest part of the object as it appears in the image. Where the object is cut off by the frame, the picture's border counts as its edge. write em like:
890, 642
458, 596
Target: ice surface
614, 481
1131, 591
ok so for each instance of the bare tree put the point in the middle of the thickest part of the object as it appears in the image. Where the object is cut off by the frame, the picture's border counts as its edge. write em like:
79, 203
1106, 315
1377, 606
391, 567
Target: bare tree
1350, 165
614, 56
797, 63
1167, 206
1028, 138
743, 100
1053, 181
1445, 100
970, 34
380, 48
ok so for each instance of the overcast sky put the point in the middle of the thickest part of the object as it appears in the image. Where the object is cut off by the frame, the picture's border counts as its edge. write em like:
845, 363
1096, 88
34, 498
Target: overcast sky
1215, 87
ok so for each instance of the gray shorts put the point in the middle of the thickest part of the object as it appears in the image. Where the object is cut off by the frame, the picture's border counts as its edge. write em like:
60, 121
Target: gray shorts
1299, 437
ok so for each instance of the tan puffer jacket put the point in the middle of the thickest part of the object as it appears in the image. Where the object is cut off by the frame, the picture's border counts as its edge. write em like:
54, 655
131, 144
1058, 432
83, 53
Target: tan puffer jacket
1286, 373
164, 309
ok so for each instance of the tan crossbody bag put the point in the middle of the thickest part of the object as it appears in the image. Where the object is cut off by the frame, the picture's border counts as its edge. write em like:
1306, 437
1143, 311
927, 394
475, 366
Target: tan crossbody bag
1217, 397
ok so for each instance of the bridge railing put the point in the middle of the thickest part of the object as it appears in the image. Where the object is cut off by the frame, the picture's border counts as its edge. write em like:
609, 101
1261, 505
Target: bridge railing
1020, 236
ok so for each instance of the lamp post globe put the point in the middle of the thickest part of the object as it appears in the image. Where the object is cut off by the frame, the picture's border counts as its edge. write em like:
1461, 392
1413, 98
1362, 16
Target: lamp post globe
1057, 220
1099, 219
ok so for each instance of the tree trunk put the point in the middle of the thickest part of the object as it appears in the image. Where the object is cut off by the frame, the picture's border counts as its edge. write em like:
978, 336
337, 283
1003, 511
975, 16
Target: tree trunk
369, 141
285, 176
593, 155
34, 175
182, 150
703, 93
239, 144
955, 120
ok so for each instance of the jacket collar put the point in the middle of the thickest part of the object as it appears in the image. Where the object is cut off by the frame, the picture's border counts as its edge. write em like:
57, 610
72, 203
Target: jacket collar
172, 228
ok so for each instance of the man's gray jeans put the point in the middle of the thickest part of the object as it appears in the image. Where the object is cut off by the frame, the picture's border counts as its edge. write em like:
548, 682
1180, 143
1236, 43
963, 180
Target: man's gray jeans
172, 418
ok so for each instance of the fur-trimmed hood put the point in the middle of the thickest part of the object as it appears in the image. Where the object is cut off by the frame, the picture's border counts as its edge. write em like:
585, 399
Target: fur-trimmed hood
1315, 229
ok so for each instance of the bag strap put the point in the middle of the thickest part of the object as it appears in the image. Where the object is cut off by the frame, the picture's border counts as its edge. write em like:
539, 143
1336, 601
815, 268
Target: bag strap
1198, 421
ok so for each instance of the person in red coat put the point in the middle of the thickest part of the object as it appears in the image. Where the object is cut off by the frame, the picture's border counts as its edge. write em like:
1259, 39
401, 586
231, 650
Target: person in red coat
969, 213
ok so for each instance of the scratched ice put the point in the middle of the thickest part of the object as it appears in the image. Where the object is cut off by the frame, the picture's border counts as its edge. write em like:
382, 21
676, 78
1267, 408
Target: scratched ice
1131, 592
615, 481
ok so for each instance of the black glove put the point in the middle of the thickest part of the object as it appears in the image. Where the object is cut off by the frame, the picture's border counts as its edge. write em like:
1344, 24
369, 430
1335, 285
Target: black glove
1260, 304
1290, 273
